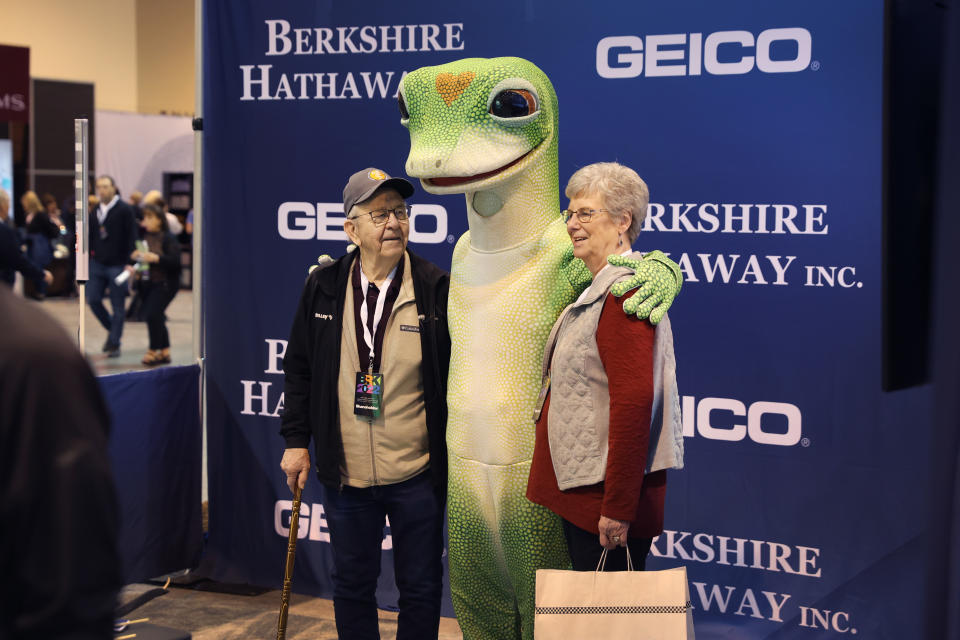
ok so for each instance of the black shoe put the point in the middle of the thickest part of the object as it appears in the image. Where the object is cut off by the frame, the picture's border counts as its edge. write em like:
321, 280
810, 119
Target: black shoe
108, 346
113, 351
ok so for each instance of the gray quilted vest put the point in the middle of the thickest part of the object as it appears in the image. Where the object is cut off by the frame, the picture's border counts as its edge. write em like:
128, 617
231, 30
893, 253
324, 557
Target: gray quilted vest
578, 422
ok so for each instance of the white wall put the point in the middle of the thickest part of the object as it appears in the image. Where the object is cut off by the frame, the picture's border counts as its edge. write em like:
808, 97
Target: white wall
136, 149
139, 54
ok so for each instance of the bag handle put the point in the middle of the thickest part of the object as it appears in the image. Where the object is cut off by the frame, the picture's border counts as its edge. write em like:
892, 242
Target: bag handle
603, 560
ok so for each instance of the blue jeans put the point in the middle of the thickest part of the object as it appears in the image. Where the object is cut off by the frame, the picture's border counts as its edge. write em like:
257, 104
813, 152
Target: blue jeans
355, 518
101, 277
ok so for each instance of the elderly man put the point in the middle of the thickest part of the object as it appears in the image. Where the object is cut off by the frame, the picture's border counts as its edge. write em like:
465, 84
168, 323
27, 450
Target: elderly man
376, 411
113, 234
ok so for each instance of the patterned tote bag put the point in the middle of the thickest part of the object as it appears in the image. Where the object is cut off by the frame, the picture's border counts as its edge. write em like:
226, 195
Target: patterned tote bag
631, 604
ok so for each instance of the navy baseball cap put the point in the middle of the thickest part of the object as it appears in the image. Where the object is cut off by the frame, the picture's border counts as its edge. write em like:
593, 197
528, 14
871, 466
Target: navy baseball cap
362, 184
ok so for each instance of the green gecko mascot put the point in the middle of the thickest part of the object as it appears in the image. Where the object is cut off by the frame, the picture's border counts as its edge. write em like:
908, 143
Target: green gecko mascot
488, 128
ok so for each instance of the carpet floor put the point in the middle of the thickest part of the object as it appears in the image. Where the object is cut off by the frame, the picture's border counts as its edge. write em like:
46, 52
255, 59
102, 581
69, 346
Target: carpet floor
220, 616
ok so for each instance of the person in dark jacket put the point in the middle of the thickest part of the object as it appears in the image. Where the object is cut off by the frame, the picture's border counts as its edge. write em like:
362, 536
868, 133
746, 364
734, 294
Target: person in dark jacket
13, 260
113, 232
58, 511
160, 283
11, 257
40, 232
365, 377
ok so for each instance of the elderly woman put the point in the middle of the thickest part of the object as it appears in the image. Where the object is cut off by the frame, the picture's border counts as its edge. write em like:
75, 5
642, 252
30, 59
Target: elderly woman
599, 461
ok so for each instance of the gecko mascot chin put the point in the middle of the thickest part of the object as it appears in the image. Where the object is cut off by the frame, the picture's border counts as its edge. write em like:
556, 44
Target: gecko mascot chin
488, 128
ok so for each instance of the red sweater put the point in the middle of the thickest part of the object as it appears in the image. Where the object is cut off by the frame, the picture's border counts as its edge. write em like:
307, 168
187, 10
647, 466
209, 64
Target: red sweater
626, 350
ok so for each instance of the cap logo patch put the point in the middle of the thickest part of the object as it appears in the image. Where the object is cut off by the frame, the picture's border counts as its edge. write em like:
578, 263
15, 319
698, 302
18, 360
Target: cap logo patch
376, 174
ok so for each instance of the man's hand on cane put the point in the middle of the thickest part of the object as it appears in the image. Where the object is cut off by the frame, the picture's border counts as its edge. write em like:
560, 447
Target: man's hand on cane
296, 464
613, 533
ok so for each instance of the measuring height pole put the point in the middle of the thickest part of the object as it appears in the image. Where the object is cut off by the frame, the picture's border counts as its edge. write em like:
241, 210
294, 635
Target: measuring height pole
81, 132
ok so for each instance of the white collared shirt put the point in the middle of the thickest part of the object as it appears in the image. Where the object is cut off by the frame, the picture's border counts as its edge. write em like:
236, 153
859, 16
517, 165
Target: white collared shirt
103, 210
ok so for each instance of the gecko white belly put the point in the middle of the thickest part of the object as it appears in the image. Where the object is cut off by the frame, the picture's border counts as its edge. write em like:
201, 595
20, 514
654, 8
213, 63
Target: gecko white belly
501, 309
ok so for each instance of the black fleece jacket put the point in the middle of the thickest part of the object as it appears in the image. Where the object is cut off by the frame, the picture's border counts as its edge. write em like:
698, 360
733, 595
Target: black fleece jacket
311, 365
112, 242
169, 264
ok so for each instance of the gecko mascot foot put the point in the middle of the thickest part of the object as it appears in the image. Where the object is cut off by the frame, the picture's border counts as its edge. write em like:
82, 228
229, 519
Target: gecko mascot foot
487, 128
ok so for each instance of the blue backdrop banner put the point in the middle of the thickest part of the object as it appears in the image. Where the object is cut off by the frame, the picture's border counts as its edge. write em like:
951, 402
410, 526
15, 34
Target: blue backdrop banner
155, 450
757, 127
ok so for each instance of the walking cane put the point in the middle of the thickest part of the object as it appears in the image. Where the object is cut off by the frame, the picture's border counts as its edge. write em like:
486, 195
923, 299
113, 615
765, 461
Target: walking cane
288, 570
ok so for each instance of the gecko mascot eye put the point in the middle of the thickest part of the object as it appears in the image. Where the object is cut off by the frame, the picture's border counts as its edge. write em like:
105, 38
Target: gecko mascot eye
487, 128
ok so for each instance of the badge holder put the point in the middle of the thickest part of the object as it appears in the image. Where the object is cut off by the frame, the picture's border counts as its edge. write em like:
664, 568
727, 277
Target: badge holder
368, 398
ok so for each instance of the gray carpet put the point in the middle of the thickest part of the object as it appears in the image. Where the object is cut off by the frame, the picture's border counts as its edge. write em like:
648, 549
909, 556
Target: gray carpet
218, 616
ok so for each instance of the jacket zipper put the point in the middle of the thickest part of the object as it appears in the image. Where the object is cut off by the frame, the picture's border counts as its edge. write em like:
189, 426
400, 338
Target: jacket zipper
373, 458
373, 455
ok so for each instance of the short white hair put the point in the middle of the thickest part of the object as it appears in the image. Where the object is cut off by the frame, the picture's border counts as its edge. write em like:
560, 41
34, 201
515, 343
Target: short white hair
622, 191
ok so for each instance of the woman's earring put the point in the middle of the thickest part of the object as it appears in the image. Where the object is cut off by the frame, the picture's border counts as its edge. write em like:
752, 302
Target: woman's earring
619, 239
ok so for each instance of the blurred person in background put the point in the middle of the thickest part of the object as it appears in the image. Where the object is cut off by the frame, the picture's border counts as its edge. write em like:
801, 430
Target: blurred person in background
160, 284
36, 217
62, 266
68, 214
40, 234
11, 257
136, 200
52, 208
173, 222
113, 234
5, 209
135, 308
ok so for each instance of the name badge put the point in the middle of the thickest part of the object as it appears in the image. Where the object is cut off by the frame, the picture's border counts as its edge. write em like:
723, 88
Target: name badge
368, 398
544, 388
409, 327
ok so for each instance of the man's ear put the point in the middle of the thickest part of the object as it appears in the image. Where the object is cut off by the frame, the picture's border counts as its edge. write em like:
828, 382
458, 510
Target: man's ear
351, 229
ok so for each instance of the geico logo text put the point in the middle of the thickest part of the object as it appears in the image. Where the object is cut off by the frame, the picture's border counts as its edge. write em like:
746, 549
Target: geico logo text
313, 523
700, 417
683, 54
324, 221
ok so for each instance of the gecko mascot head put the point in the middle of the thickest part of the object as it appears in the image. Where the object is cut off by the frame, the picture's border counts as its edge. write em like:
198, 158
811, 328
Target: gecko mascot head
477, 126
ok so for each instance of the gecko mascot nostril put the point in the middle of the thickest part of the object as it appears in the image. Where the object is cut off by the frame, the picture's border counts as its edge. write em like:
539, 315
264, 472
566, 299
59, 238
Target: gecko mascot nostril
488, 128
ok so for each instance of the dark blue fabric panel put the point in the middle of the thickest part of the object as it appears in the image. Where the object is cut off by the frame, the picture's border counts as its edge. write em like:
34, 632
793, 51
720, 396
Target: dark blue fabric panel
155, 448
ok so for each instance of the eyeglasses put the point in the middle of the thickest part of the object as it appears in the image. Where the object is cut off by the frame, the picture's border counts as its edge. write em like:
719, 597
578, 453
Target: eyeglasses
583, 215
380, 216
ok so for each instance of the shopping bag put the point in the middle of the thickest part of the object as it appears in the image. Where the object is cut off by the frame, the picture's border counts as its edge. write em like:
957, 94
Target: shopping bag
577, 605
